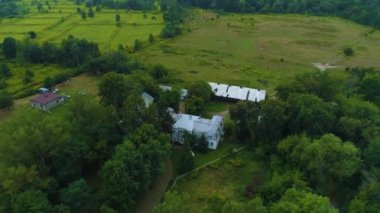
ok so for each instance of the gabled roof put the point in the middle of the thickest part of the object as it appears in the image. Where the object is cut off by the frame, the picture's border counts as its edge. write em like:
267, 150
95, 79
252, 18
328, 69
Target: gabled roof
237, 93
165, 88
184, 92
46, 98
193, 123
185, 121
148, 99
208, 126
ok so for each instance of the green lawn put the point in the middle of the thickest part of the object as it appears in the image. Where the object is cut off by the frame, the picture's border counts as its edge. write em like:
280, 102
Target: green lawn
216, 108
261, 50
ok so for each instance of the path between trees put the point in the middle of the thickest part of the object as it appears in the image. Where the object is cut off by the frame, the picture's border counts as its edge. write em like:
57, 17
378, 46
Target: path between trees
154, 196
150, 200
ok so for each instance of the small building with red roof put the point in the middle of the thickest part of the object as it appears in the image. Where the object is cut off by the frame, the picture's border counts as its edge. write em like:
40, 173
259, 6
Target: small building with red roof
46, 101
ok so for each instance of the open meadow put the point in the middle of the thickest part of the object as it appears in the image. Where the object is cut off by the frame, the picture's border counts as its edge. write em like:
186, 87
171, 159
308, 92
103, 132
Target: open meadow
62, 20
262, 50
222, 181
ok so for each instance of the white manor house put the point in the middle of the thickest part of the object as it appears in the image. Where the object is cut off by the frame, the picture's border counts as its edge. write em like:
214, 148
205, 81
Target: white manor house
212, 129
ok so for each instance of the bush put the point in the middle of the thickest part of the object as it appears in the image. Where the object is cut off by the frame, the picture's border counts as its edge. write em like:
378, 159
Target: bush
32, 34
25, 93
5, 71
6, 100
3, 84
348, 51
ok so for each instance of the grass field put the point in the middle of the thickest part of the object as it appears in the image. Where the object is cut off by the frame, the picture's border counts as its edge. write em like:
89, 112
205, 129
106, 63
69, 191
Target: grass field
262, 50
40, 72
63, 20
225, 180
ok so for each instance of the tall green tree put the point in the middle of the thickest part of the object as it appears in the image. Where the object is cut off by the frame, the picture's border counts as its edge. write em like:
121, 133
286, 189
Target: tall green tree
254, 205
77, 196
94, 124
113, 90
70, 162
301, 201
174, 202
122, 176
372, 154
267, 122
6, 100
240, 114
151, 38
16, 179
321, 84
36, 142
134, 166
194, 105
9, 47
91, 12
5, 71
310, 114
187, 161
32, 201
367, 200
369, 87
133, 112
138, 45
200, 89
327, 160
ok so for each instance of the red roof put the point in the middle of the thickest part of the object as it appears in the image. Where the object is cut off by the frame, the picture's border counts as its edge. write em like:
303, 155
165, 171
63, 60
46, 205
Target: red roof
46, 98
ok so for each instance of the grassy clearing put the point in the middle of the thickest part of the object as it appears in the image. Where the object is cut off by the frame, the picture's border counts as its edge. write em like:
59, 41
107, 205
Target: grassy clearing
217, 108
83, 83
225, 179
261, 50
63, 20
15, 82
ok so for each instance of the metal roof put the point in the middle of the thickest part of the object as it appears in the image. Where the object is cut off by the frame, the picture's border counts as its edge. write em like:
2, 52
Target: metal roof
237, 93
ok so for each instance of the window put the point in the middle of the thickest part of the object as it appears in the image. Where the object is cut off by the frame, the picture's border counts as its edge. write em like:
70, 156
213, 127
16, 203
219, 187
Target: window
211, 144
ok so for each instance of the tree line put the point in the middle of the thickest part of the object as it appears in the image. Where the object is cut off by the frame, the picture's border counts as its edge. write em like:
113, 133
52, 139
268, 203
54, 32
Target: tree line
9, 8
71, 52
125, 4
361, 11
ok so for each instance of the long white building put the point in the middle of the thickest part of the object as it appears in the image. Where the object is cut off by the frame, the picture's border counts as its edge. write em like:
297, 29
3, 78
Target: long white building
237, 93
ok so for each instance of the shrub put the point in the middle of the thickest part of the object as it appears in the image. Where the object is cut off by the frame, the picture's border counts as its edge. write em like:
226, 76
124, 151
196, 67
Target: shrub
348, 51
6, 100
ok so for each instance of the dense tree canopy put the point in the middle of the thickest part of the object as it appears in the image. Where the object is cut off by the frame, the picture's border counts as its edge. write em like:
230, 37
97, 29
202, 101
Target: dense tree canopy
131, 169
300, 201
